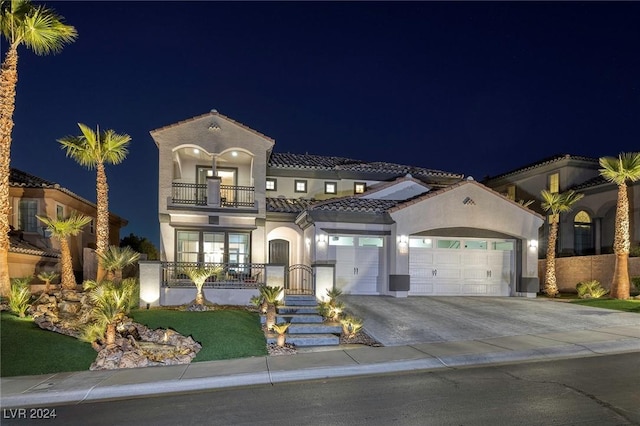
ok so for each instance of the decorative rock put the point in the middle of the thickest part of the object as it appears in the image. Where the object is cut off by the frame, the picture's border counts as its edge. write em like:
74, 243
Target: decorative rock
67, 307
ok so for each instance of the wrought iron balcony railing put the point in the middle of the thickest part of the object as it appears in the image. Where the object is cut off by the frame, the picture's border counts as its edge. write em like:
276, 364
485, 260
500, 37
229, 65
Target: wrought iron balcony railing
195, 194
224, 275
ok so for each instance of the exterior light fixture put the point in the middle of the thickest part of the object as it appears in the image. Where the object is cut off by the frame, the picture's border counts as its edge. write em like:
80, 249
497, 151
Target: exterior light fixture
196, 151
533, 244
234, 153
403, 239
321, 239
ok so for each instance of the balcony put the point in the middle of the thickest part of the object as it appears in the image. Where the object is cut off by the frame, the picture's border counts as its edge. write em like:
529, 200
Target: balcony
212, 194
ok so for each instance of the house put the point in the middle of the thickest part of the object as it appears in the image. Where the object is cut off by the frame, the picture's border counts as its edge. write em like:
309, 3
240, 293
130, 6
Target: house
228, 198
589, 228
32, 250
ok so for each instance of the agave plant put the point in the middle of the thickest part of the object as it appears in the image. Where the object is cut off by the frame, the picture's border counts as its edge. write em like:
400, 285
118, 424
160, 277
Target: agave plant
270, 296
19, 295
47, 277
111, 302
351, 325
590, 289
281, 329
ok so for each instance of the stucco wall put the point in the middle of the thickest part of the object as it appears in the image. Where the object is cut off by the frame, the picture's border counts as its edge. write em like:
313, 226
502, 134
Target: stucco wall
572, 270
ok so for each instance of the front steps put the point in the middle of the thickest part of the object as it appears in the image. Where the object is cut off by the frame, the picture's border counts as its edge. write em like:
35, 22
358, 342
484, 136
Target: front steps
307, 327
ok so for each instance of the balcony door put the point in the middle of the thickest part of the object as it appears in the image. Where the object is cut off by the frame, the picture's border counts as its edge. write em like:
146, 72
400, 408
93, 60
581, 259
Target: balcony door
228, 177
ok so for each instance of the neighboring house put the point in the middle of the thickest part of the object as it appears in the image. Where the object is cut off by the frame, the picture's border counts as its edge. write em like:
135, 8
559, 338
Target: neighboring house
32, 248
589, 228
227, 199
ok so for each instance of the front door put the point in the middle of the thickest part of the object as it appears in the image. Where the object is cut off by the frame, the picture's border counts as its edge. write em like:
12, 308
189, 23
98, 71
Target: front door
279, 252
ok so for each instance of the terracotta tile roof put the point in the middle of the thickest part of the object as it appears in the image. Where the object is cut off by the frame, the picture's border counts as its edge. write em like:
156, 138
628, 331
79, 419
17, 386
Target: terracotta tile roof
355, 204
595, 181
307, 161
18, 178
310, 161
17, 245
288, 205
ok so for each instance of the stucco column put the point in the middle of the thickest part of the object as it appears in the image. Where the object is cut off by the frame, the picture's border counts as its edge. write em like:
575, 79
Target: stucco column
597, 234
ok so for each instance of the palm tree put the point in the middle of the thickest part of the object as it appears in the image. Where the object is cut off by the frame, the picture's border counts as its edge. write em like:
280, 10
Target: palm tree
42, 31
115, 259
270, 296
62, 229
111, 302
47, 277
94, 150
556, 203
199, 275
620, 170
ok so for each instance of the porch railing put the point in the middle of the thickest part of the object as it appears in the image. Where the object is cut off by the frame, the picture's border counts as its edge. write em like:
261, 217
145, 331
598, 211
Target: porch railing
195, 194
227, 275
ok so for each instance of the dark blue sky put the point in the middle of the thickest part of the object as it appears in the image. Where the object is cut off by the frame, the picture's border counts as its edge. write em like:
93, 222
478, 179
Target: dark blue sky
470, 87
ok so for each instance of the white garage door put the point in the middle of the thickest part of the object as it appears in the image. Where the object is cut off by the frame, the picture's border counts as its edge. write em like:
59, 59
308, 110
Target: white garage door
458, 266
357, 262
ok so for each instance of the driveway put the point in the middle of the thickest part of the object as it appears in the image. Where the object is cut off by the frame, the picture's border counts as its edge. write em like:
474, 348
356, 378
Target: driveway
412, 320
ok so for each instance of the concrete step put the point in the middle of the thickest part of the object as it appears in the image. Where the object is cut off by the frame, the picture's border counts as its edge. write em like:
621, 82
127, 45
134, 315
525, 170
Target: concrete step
295, 318
284, 310
301, 340
300, 301
323, 328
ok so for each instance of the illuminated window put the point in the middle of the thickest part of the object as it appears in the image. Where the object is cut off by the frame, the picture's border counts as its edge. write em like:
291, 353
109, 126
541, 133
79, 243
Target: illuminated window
59, 211
554, 183
330, 188
300, 186
511, 192
359, 187
272, 184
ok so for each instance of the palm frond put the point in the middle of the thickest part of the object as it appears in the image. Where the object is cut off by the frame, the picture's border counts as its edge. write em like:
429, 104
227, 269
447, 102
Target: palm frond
624, 168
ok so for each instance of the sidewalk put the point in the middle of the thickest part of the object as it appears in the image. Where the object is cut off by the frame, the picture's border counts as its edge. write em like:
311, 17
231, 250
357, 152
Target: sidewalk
316, 363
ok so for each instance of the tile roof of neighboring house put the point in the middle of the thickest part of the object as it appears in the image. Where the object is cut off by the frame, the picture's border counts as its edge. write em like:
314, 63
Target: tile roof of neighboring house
310, 161
213, 113
595, 181
18, 245
544, 162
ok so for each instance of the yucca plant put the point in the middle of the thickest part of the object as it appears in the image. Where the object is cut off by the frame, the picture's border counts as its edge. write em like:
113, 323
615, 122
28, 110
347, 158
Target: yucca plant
111, 303
590, 289
351, 325
281, 329
199, 275
20, 295
47, 277
332, 308
270, 296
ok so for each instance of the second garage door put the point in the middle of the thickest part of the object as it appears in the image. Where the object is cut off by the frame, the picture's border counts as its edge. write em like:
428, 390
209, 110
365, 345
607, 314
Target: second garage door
458, 266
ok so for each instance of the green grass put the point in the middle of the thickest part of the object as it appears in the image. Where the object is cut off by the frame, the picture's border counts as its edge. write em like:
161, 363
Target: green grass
26, 349
223, 333
618, 305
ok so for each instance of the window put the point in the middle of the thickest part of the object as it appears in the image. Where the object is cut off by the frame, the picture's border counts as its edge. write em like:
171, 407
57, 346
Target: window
371, 242
335, 240
448, 244
554, 183
27, 212
92, 226
272, 184
213, 247
359, 187
59, 211
583, 234
511, 192
300, 186
420, 242
475, 245
503, 245
330, 188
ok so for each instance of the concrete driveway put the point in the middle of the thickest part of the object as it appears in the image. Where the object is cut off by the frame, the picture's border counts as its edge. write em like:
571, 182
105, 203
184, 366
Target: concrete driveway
413, 320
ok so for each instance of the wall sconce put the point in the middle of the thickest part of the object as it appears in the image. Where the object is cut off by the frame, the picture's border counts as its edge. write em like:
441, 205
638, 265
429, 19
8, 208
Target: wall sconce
403, 240
321, 239
307, 241
533, 244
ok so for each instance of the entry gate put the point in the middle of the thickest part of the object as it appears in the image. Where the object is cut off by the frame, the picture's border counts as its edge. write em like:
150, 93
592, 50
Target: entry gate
300, 280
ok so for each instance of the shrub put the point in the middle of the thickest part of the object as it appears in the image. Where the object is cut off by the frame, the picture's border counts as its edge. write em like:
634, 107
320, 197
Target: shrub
635, 282
634, 251
590, 290
351, 325
19, 295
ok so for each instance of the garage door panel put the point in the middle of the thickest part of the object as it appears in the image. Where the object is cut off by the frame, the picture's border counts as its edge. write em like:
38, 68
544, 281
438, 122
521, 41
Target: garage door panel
447, 258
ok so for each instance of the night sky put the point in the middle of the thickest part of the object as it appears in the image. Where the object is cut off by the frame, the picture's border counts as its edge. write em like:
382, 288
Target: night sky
477, 88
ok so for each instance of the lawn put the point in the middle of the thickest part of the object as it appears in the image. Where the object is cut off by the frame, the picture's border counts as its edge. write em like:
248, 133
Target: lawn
25, 349
631, 305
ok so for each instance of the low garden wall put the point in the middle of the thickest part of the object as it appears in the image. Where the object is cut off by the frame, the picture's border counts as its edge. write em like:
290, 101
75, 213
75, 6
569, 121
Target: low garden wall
572, 270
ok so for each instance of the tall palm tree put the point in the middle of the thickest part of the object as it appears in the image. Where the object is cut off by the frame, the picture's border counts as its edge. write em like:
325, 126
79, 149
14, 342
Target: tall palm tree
555, 203
41, 30
620, 170
62, 229
94, 150
115, 259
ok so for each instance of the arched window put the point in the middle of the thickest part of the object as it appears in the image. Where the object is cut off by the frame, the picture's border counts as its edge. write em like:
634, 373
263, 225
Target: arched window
583, 234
